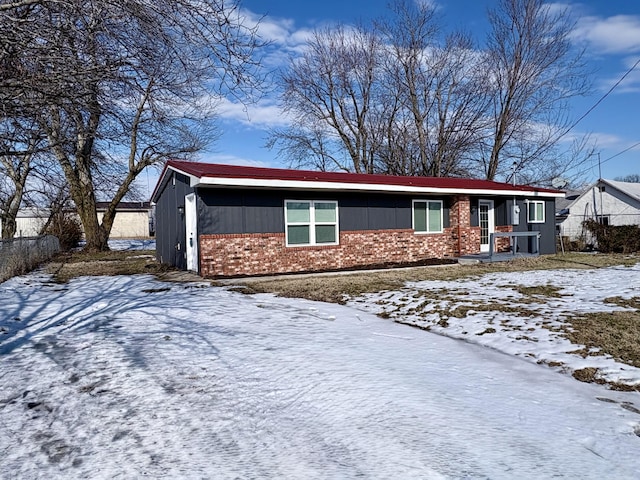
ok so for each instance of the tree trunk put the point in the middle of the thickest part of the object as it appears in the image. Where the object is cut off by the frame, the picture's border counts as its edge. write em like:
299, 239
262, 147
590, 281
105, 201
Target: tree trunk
9, 224
8, 227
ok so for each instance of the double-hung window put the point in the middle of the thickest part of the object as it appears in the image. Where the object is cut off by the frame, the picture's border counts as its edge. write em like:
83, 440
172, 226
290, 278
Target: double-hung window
535, 212
311, 222
427, 216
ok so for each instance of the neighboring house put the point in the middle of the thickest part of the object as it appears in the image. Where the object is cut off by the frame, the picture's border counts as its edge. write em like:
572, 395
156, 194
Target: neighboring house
223, 220
133, 219
30, 221
607, 201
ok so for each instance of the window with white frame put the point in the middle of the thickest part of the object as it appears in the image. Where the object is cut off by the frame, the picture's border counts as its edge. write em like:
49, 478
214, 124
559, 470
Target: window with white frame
427, 216
311, 222
535, 212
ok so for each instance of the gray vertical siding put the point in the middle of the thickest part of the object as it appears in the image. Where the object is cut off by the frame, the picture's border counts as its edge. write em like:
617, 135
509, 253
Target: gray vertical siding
547, 229
170, 225
224, 211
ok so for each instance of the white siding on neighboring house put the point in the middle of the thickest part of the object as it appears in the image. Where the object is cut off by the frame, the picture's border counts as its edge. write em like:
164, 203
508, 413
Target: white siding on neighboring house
29, 222
617, 203
129, 224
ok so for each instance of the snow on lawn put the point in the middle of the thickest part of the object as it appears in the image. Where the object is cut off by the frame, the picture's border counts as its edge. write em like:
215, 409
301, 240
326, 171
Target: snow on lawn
132, 244
498, 311
124, 377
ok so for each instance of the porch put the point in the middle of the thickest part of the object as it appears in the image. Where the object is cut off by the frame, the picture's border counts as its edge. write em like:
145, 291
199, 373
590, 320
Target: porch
492, 256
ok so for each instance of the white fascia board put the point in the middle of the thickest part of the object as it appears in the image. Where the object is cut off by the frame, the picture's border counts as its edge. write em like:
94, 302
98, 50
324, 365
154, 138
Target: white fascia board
316, 185
193, 180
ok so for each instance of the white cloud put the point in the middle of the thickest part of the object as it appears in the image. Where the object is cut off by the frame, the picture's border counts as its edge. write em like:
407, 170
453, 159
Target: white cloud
618, 34
281, 33
231, 160
630, 83
264, 114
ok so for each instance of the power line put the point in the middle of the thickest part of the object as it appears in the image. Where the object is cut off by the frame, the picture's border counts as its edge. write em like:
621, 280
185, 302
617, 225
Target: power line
577, 174
620, 153
593, 107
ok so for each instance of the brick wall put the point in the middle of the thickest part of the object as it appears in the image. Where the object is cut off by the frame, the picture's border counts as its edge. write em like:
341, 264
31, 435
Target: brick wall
258, 254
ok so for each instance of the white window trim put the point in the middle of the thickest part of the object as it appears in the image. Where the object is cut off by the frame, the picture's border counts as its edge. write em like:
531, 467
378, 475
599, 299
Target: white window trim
413, 216
312, 224
534, 203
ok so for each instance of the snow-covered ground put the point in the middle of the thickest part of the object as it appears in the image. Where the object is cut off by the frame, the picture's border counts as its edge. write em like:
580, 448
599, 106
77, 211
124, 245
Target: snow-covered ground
496, 311
128, 377
132, 244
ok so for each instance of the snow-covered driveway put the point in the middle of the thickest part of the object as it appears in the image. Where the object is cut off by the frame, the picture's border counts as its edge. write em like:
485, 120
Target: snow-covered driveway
124, 377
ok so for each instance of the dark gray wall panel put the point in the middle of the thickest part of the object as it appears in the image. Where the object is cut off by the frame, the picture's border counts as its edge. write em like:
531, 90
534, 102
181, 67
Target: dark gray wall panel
223, 211
226, 211
170, 225
547, 229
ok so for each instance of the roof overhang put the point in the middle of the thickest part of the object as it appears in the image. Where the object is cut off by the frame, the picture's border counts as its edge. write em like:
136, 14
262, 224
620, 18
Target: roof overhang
355, 187
322, 185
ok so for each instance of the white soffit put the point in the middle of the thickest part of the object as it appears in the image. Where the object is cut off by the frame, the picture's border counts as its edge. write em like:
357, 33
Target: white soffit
318, 185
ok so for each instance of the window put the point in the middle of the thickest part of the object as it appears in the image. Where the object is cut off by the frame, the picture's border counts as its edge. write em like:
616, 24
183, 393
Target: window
427, 216
310, 222
603, 220
535, 212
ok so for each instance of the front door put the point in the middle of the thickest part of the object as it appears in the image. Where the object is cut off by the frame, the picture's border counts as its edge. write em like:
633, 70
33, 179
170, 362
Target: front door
191, 224
486, 221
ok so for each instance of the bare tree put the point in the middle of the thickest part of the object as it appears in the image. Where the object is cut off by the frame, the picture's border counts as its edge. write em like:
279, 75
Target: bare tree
441, 92
534, 71
411, 33
329, 92
119, 86
631, 178
391, 99
20, 145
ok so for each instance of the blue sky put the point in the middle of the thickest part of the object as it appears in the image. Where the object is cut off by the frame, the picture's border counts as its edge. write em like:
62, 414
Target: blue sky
609, 30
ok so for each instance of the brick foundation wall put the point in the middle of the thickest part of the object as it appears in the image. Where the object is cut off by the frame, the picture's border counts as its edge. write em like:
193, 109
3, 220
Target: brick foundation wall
261, 254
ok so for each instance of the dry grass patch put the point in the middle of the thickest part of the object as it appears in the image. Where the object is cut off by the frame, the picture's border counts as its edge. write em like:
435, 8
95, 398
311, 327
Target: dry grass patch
633, 302
67, 266
613, 333
334, 287
462, 310
539, 291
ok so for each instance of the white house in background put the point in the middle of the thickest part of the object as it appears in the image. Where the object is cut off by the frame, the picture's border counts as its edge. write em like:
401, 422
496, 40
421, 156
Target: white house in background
608, 201
30, 221
133, 220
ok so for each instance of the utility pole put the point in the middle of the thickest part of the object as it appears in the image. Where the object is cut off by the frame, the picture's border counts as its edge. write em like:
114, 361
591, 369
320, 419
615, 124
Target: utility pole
601, 221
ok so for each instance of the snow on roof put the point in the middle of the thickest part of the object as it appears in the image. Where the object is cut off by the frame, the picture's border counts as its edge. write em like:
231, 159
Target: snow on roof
628, 188
563, 205
203, 174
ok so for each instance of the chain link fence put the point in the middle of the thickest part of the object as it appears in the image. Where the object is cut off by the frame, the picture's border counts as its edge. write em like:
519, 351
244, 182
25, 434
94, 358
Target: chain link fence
23, 254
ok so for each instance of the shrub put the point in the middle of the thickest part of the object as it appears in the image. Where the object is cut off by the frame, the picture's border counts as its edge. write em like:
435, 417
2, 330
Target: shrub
67, 228
615, 238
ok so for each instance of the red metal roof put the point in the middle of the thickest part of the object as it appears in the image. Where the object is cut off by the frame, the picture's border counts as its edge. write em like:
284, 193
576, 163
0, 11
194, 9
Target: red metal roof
212, 170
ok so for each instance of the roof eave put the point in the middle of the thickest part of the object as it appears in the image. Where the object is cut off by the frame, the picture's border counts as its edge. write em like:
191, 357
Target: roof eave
346, 186
193, 180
